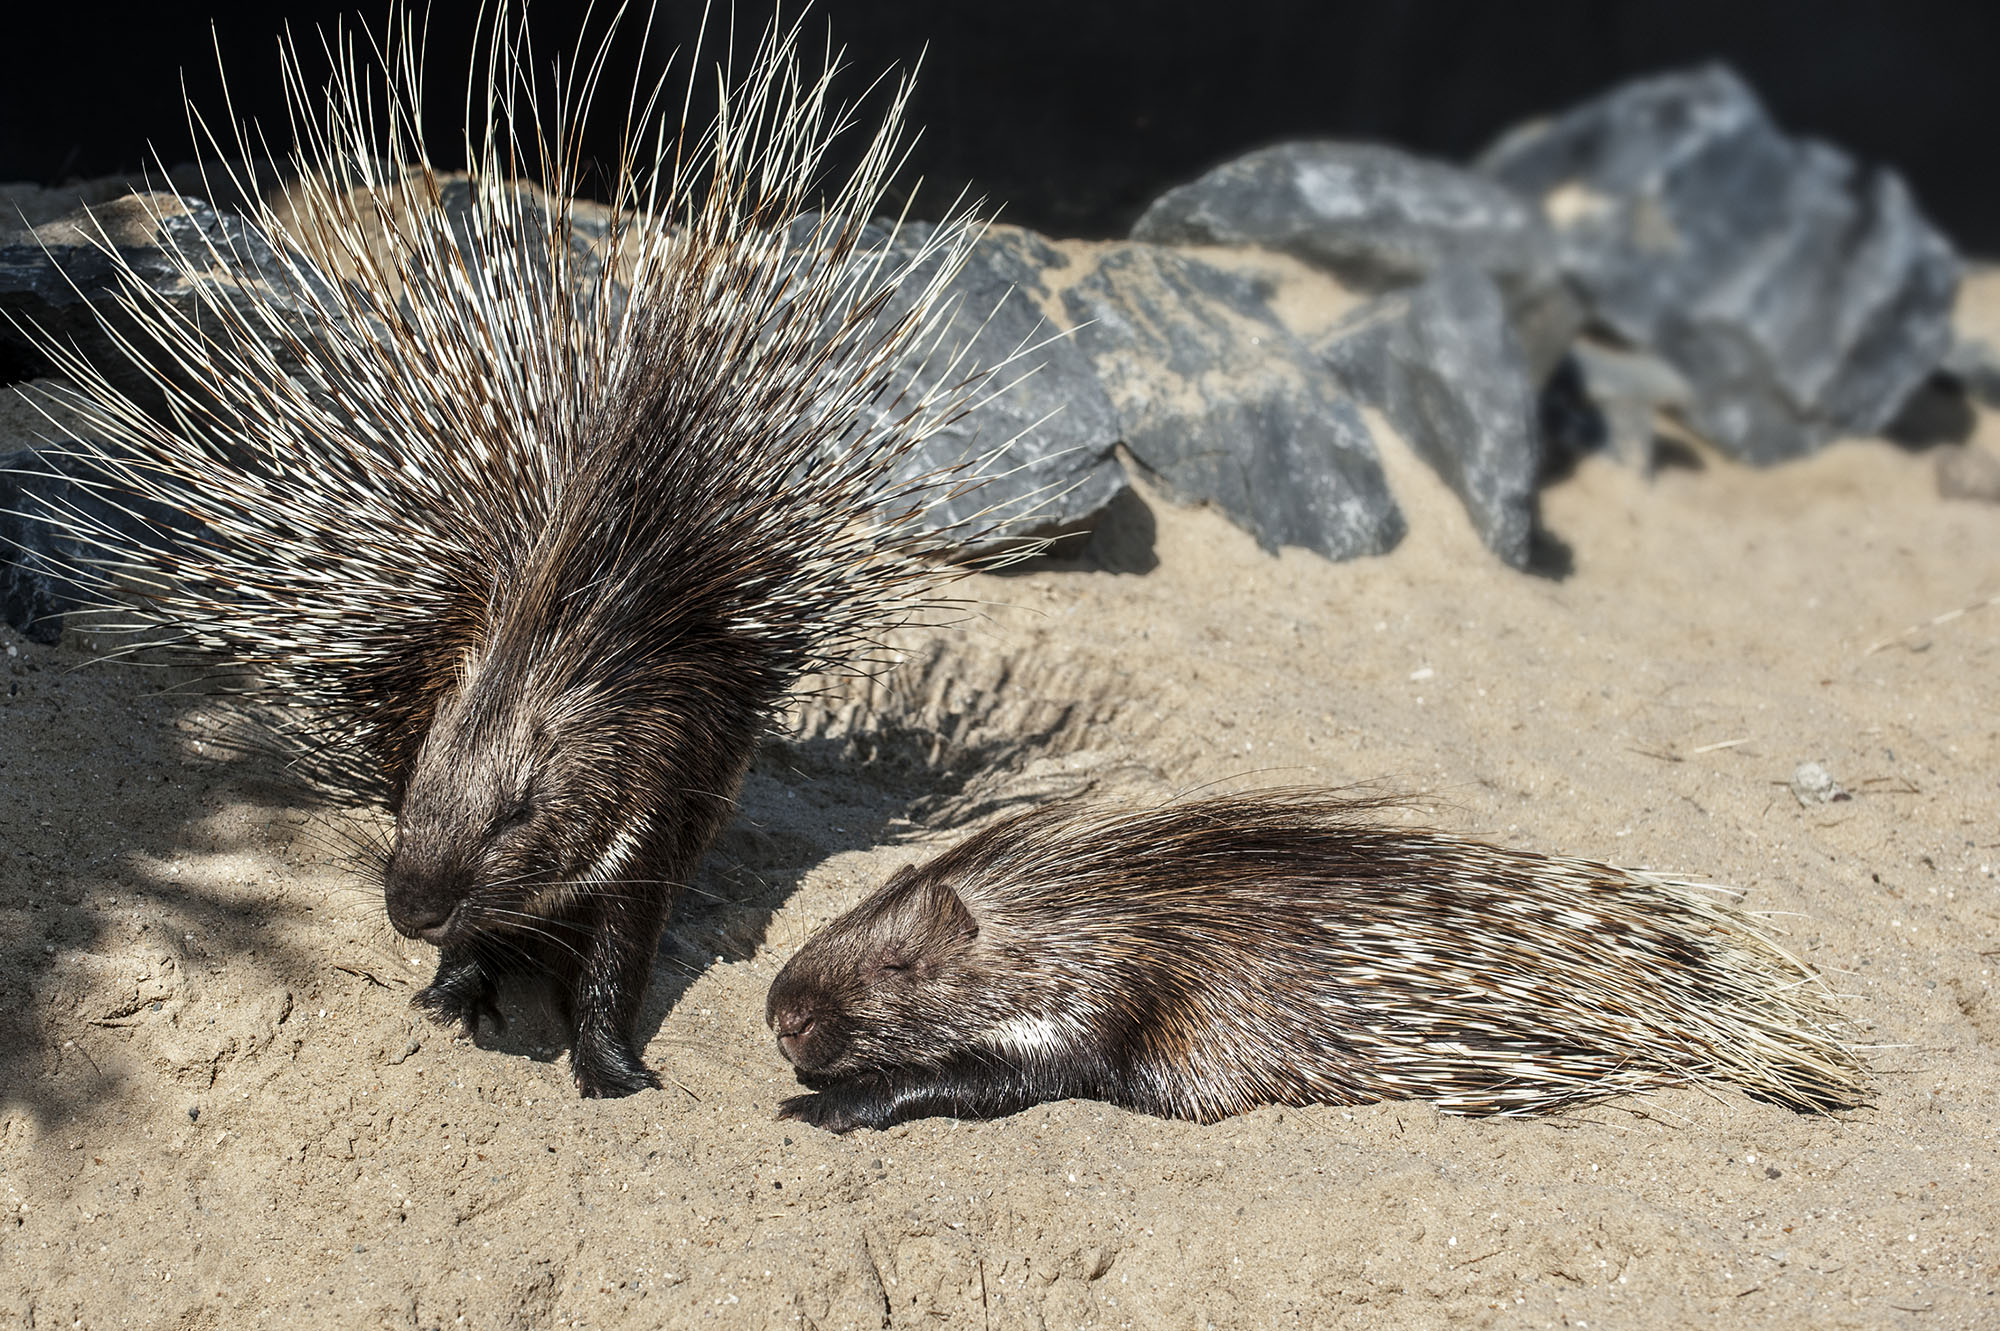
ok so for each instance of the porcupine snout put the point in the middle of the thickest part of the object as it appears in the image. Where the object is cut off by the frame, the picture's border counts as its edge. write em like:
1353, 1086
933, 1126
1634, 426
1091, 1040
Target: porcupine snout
422, 895
801, 1018
466, 818
896, 957
793, 1028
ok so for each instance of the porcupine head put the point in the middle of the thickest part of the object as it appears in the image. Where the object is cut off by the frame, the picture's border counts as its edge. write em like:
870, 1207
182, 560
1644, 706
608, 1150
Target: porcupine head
908, 977
537, 534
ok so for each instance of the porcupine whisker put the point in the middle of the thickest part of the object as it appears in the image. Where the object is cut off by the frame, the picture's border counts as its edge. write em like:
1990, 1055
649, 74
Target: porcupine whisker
507, 947
347, 850
342, 840
520, 922
526, 922
586, 886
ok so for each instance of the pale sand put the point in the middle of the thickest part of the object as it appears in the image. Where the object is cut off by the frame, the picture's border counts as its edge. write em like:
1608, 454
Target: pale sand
350, 1168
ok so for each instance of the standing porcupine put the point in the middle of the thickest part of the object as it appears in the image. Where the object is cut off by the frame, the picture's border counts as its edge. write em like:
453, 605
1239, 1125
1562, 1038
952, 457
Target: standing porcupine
538, 529
1198, 960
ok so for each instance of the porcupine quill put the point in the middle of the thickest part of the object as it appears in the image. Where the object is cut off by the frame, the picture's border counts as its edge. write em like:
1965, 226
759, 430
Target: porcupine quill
532, 537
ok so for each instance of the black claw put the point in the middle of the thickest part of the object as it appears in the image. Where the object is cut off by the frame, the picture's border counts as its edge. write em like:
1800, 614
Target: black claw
462, 994
609, 1070
815, 1111
464, 1011
841, 1111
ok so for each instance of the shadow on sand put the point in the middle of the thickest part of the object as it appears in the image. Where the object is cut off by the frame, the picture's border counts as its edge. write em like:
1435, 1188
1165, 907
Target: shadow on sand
104, 926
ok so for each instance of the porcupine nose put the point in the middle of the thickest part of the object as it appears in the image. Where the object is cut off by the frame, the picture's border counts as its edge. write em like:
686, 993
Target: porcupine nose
417, 909
792, 1028
428, 925
425, 920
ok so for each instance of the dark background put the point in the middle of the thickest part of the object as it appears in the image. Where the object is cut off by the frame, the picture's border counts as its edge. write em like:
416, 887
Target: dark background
1072, 116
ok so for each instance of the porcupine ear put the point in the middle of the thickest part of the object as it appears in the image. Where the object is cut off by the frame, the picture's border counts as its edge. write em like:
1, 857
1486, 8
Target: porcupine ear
954, 918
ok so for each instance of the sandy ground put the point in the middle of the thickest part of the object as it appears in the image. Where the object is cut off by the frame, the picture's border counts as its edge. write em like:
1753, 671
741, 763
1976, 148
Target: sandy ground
217, 1111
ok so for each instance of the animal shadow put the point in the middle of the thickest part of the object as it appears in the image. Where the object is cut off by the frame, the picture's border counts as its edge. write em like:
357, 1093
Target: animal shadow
948, 741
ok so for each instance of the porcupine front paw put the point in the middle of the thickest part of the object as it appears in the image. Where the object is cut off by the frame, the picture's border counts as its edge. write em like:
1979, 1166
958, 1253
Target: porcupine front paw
841, 1107
817, 1111
461, 994
607, 1069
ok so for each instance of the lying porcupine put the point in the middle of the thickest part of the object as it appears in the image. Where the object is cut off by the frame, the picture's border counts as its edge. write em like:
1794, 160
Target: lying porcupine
539, 528
1202, 959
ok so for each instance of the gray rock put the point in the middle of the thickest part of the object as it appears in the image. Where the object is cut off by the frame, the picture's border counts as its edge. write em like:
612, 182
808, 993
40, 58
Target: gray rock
35, 590
1225, 406
1060, 471
1800, 294
1380, 219
34, 594
58, 276
59, 279
24, 206
1441, 362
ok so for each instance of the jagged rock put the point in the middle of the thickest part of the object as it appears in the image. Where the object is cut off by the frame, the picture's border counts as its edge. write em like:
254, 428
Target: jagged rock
1799, 293
1225, 406
1061, 470
1441, 362
59, 278
25, 206
1380, 219
35, 592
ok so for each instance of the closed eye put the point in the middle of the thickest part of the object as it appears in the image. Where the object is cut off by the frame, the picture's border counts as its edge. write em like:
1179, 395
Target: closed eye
512, 818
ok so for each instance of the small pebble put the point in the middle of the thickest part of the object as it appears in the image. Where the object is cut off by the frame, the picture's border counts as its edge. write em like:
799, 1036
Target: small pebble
1813, 784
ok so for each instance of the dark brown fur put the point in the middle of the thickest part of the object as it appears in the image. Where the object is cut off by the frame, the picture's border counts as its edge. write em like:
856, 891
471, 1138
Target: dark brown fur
1202, 959
570, 777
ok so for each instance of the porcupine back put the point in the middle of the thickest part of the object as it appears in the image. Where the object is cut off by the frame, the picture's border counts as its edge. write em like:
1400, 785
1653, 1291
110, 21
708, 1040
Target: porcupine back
1211, 956
413, 418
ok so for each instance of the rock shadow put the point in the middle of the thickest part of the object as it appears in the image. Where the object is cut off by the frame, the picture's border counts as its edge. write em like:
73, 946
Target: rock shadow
1939, 412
